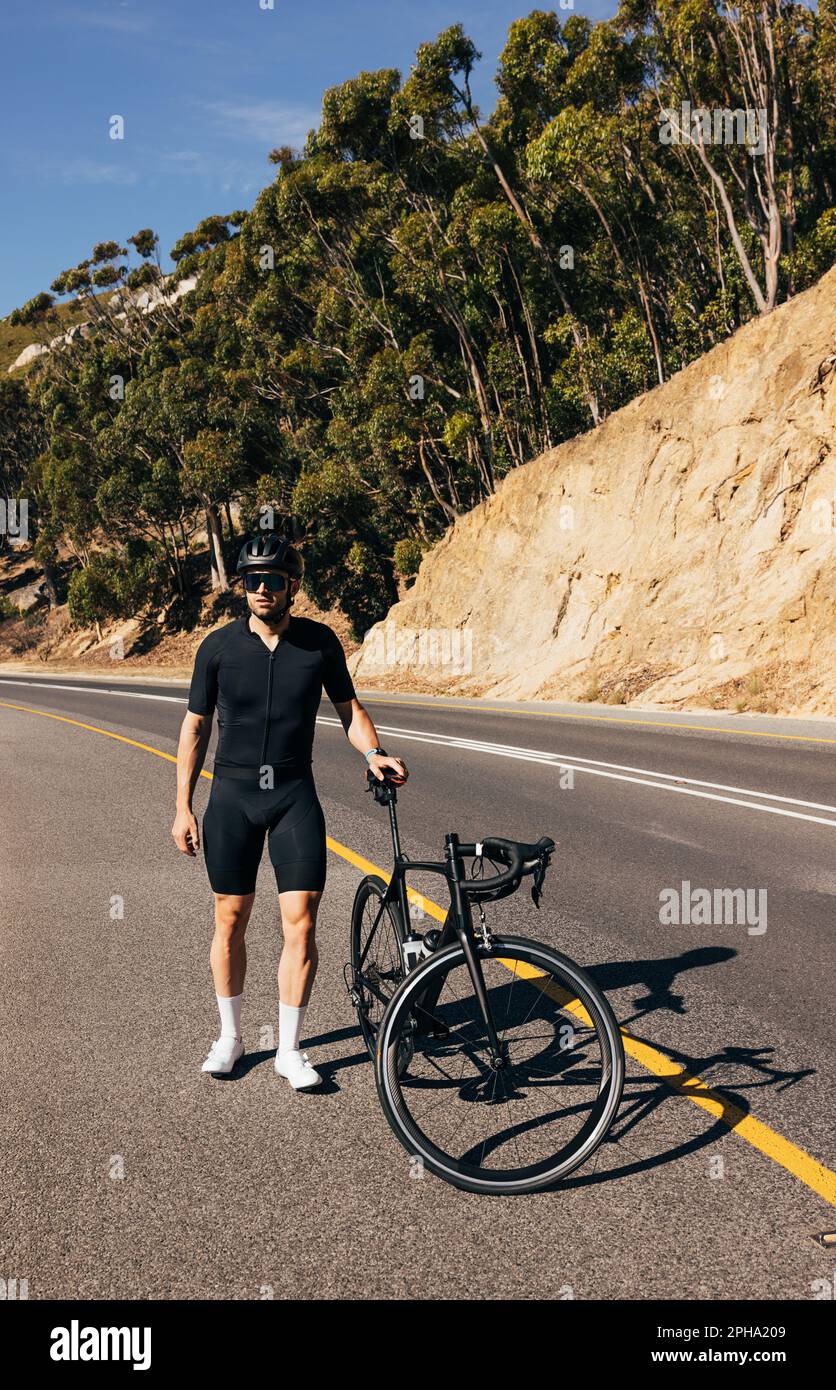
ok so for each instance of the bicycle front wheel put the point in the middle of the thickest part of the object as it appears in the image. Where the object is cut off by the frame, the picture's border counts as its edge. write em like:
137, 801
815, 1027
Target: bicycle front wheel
376, 960
540, 1115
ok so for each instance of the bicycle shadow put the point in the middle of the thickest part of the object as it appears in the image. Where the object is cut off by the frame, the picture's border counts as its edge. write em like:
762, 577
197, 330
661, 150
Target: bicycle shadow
644, 1096
701, 1078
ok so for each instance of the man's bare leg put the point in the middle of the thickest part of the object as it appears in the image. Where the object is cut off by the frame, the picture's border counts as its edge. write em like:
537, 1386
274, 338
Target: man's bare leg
228, 955
297, 971
299, 958
228, 959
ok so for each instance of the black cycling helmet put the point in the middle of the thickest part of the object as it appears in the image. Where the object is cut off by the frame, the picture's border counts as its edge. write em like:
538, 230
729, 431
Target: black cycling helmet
269, 551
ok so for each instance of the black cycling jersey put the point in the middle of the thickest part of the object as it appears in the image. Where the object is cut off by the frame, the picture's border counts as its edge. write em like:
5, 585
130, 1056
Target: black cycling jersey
267, 701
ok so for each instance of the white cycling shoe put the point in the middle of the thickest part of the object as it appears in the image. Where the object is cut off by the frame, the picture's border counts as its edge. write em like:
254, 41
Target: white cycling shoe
294, 1065
223, 1054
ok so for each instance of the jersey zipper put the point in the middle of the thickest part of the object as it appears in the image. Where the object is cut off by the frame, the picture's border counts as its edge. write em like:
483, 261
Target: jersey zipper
267, 710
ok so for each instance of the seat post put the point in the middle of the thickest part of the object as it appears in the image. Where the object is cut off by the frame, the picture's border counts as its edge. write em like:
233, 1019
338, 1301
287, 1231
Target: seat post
402, 891
393, 823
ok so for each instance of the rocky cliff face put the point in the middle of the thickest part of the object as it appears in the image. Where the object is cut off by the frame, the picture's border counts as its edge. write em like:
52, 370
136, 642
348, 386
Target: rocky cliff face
686, 546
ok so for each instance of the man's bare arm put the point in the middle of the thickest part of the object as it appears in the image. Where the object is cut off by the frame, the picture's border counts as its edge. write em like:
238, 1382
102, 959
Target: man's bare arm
362, 735
195, 732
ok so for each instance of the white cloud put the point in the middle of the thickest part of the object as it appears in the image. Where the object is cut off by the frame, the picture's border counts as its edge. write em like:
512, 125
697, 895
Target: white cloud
73, 171
231, 173
265, 121
185, 161
118, 18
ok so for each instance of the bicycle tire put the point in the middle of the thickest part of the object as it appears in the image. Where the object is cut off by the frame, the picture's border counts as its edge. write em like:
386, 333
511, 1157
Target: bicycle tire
395, 1089
374, 975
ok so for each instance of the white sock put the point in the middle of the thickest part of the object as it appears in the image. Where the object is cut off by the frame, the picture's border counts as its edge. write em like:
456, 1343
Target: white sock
290, 1026
230, 1012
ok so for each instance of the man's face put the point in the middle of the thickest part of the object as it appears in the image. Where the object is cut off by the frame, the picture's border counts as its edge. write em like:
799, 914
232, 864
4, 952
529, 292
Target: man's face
265, 604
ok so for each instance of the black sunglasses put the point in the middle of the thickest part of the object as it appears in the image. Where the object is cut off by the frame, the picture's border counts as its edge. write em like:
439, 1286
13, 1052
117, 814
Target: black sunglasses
273, 582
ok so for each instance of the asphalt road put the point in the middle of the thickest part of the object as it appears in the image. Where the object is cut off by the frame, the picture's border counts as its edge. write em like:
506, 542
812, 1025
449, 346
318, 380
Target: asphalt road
130, 1174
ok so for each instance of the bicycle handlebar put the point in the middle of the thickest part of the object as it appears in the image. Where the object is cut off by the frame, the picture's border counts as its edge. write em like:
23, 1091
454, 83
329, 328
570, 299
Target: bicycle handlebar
521, 859
508, 851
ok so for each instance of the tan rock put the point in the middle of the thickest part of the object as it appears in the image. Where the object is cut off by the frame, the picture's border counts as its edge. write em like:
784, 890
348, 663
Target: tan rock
686, 543
28, 354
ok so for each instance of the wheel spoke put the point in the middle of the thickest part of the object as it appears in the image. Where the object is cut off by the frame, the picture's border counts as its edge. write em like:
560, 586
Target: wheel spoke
547, 1107
377, 968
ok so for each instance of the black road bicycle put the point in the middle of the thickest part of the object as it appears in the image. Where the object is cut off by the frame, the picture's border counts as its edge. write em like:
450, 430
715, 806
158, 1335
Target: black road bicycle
498, 1061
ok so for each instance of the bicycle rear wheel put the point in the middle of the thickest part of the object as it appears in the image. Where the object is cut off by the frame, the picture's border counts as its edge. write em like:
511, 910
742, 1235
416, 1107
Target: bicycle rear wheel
376, 958
522, 1127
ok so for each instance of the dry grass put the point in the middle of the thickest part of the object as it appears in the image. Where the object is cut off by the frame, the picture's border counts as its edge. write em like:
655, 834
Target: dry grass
772, 689
61, 317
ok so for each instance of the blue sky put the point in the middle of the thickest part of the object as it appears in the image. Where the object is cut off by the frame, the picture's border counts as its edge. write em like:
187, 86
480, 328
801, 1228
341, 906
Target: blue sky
206, 88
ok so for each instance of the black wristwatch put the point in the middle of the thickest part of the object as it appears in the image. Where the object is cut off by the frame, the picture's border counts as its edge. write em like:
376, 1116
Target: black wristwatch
381, 752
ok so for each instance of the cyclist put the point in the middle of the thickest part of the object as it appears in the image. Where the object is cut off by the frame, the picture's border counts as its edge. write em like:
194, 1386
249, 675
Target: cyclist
264, 673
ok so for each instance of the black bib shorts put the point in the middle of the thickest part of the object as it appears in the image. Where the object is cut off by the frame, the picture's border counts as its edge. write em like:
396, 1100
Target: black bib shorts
239, 816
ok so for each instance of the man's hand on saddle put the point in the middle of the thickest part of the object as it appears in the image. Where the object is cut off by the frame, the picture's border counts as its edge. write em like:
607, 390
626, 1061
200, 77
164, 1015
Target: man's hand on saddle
395, 768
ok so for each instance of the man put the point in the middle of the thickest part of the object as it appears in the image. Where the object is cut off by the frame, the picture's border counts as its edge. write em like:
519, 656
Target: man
265, 673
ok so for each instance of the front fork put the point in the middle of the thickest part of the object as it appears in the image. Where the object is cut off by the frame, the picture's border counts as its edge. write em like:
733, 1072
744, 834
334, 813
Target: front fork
459, 923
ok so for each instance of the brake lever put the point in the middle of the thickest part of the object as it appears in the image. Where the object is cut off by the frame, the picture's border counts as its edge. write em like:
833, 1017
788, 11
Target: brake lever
539, 878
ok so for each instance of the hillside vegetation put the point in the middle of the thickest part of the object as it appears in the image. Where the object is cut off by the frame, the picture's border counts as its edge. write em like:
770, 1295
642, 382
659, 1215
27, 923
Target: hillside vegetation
421, 301
14, 337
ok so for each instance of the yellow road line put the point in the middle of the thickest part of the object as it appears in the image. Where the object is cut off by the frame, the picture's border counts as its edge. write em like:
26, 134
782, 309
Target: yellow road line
601, 719
365, 865
94, 728
767, 1141
759, 1135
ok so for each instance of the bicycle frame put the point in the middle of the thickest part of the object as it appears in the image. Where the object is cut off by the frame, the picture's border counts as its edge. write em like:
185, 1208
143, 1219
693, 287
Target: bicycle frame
426, 1030
458, 923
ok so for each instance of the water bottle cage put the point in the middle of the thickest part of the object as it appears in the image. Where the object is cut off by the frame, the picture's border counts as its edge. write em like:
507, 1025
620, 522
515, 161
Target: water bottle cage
413, 952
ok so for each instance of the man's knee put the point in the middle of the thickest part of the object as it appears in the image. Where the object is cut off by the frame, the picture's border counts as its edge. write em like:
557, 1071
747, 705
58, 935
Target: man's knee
299, 915
232, 913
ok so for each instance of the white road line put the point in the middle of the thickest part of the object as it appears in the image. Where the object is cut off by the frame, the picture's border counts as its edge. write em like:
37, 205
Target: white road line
595, 768
537, 754
96, 690
583, 765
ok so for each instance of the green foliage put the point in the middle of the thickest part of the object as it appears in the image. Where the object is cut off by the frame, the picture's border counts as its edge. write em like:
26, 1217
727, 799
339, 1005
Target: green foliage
814, 253
145, 242
408, 553
425, 297
32, 311
116, 585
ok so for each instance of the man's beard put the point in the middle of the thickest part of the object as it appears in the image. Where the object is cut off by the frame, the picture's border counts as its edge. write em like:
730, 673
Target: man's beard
277, 610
